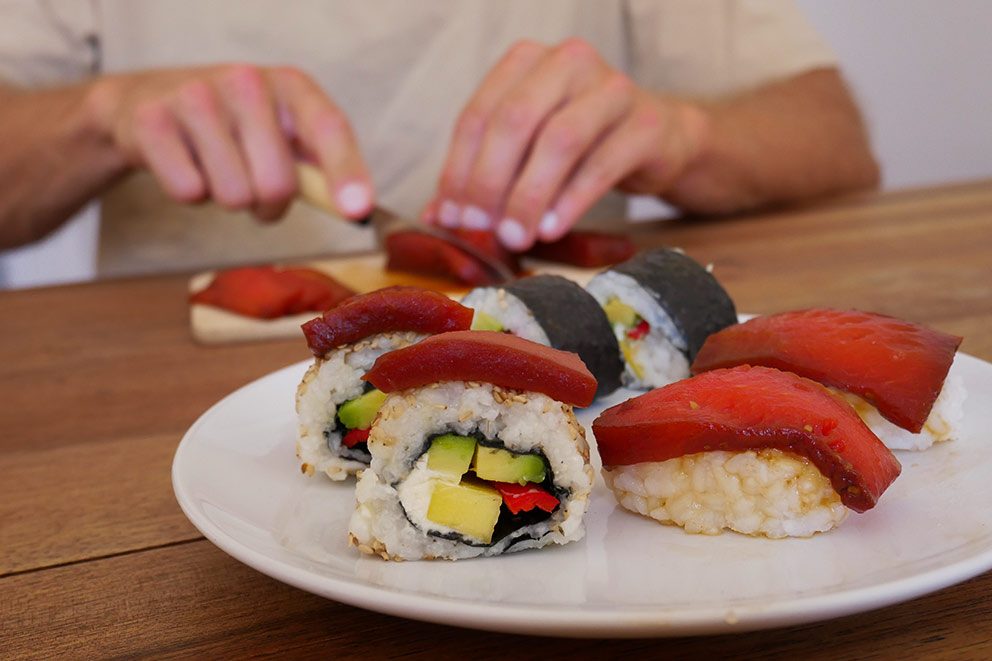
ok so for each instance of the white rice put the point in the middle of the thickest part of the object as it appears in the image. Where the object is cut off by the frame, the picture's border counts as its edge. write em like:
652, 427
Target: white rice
330, 381
763, 493
391, 497
941, 425
661, 354
509, 311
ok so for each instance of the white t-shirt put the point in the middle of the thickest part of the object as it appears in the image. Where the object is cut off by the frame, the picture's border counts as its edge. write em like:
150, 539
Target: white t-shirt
401, 70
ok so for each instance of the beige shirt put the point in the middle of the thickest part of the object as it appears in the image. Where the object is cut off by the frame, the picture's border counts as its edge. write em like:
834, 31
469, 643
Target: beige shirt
401, 70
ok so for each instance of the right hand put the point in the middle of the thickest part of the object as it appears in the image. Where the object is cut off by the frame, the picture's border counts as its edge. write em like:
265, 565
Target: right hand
232, 134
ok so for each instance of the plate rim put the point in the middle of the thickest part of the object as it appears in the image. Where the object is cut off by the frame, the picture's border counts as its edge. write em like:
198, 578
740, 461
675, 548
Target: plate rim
566, 621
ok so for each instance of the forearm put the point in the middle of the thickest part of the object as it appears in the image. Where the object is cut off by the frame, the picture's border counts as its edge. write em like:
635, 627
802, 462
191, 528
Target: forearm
796, 139
54, 157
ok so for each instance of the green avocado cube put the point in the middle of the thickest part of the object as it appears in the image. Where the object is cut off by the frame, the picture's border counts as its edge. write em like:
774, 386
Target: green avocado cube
619, 312
451, 454
359, 413
468, 507
483, 321
501, 465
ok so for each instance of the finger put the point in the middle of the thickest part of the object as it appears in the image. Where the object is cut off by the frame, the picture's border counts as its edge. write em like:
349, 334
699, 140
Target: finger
165, 152
470, 127
561, 143
208, 127
429, 215
635, 141
325, 132
264, 144
561, 74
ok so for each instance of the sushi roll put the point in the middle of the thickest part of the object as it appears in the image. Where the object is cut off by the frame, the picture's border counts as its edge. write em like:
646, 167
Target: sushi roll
750, 449
662, 305
556, 312
893, 372
335, 407
476, 450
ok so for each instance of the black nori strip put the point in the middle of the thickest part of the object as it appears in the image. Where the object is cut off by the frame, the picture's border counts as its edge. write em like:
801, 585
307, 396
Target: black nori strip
696, 302
573, 321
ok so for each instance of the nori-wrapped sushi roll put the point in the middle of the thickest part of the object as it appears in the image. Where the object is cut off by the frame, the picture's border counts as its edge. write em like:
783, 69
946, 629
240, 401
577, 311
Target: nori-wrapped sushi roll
556, 312
662, 305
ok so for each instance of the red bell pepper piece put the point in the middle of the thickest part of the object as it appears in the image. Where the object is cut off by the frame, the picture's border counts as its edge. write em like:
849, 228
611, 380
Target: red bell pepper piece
640, 330
586, 249
751, 408
490, 357
354, 437
392, 309
897, 366
525, 497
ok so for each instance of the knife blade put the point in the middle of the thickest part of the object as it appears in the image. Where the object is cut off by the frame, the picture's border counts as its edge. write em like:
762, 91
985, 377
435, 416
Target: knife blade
313, 190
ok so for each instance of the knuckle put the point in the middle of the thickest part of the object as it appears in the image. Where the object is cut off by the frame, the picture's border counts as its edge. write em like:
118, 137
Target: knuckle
576, 49
151, 117
563, 137
525, 48
647, 118
245, 80
515, 115
197, 96
619, 84
329, 121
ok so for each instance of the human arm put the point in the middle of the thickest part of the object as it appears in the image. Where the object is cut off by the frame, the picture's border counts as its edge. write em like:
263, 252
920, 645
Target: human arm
552, 129
227, 133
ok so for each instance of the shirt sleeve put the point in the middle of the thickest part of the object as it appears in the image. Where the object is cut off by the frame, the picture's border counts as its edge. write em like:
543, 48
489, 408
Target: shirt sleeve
47, 42
716, 47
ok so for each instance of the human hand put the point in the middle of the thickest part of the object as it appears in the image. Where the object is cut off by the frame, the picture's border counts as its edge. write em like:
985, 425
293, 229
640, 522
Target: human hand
232, 134
548, 132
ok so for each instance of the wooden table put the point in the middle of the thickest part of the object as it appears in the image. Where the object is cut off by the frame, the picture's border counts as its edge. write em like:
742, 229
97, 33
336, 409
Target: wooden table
99, 381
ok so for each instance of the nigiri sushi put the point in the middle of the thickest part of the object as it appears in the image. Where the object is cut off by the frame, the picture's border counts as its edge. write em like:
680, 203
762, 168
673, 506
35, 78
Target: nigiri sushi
750, 449
476, 450
894, 372
335, 407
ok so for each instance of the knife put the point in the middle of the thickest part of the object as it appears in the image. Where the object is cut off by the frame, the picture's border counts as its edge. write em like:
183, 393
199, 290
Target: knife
313, 190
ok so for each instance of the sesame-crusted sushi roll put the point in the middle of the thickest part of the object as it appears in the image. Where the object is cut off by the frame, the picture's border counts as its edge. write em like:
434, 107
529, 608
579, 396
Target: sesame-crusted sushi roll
476, 450
893, 372
335, 407
662, 305
750, 449
556, 312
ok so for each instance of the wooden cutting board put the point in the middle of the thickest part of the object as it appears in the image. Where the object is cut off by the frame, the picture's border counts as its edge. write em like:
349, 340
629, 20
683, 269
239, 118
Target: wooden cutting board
363, 273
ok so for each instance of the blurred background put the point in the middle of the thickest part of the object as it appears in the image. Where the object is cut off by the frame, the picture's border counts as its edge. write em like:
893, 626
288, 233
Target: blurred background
919, 69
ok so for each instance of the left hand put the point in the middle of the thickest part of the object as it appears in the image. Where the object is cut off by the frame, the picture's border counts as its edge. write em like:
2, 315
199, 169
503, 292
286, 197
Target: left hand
548, 132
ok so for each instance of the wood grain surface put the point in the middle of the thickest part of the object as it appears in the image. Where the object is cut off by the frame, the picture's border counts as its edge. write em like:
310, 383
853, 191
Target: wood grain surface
99, 381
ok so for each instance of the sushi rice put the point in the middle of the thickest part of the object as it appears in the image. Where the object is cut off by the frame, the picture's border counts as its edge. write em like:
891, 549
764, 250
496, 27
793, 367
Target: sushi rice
512, 313
330, 381
393, 496
659, 358
941, 425
766, 493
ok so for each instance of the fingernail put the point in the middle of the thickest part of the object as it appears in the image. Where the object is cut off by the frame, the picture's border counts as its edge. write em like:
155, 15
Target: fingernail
354, 198
512, 234
448, 214
476, 219
548, 225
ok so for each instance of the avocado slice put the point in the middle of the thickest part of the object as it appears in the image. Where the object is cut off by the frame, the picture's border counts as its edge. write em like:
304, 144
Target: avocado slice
619, 312
359, 413
451, 454
483, 321
468, 507
501, 465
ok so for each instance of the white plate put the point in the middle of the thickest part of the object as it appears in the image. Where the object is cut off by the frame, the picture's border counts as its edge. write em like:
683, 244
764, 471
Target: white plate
237, 479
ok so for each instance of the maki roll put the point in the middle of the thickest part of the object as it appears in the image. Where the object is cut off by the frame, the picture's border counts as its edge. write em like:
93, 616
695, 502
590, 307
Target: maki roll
750, 449
335, 407
476, 450
662, 306
556, 312
893, 372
